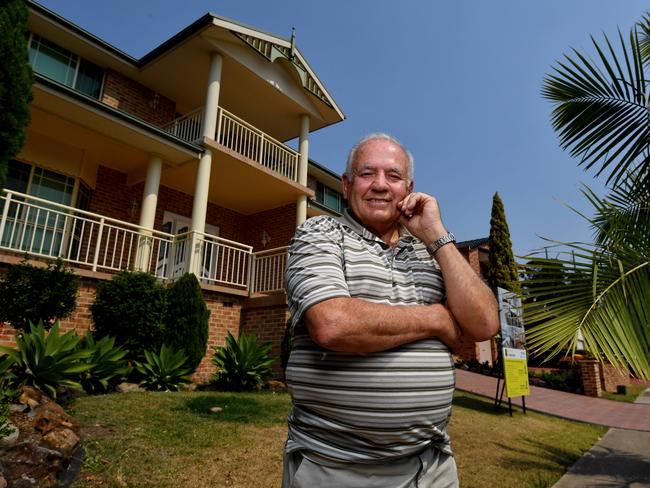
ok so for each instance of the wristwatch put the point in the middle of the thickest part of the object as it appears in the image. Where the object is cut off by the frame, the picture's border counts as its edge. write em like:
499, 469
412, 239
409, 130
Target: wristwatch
441, 241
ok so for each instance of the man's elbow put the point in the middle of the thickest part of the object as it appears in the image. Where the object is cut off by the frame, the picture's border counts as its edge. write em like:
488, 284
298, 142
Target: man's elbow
485, 328
324, 329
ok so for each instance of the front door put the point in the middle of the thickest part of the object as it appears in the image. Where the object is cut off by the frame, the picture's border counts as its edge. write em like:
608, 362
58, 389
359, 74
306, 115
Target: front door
173, 261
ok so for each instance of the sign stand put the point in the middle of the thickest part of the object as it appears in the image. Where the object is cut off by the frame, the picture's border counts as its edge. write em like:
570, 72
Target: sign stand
512, 360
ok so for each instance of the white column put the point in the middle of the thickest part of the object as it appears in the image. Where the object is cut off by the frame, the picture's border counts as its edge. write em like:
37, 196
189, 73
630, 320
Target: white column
212, 96
202, 185
303, 162
148, 211
150, 192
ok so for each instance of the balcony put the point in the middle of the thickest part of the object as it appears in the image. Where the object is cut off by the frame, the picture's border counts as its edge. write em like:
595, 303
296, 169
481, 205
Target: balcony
240, 137
40, 228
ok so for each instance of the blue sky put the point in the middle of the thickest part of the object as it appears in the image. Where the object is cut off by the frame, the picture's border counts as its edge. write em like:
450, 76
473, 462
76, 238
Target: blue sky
458, 81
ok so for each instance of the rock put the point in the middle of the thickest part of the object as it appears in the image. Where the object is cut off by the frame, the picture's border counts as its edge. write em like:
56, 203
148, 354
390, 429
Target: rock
63, 440
128, 388
216, 409
11, 438
51, 416
188, 387
3, 482
275, 385
14, 407
31, 397
46, 447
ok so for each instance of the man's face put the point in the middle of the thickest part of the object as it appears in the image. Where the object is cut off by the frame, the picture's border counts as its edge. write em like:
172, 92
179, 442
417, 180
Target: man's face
379, 182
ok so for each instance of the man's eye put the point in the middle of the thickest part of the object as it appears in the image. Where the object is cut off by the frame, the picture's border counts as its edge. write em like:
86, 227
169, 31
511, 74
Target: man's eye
394, 177
367, 174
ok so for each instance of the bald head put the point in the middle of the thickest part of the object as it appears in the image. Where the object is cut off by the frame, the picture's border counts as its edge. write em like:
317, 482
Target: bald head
378, 136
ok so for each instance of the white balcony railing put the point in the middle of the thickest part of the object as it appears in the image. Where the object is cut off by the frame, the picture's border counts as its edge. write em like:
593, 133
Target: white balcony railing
242, 138
38, 227
247, 140
268, 270
188, 127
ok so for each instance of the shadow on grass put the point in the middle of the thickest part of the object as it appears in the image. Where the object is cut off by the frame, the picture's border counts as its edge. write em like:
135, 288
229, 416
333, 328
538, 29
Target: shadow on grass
239, 408
484, 405
537, 455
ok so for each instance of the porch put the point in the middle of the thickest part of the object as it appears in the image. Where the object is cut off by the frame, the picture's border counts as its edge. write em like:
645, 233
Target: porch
40, 228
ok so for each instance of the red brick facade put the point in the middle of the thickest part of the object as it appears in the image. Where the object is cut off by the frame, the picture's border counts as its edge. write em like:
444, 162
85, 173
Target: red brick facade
591, 382
225, 315
268, 317
136, 99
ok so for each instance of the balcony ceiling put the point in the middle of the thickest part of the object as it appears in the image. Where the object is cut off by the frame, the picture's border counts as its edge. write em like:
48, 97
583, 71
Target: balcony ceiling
243, 186
106, 139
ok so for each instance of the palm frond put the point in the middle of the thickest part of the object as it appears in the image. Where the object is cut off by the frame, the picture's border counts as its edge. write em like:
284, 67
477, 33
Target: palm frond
607, 304
643, 28
600, 109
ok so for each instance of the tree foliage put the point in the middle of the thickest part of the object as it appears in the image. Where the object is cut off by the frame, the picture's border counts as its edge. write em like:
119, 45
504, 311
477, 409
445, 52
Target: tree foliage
15, 81
502, 271
131, 307
31, 294
601, 116
187, 319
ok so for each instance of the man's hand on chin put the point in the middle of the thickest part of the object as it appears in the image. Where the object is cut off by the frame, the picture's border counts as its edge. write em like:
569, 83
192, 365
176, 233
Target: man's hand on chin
421, 216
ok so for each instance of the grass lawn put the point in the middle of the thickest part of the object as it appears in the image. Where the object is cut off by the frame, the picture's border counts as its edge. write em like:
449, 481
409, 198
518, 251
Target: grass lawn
633, 391
173, 440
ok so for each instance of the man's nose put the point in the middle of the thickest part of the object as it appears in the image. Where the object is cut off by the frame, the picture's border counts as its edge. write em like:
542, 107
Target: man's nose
379, 182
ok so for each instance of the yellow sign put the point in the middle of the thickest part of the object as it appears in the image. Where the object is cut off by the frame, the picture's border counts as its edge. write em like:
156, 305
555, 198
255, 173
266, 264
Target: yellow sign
516, 372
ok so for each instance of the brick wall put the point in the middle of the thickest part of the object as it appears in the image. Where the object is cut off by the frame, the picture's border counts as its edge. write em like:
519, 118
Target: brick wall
225, 315
130, 96
269, 322
591, 382
279, 223
469, 350
111, 196
612, 377
80, 320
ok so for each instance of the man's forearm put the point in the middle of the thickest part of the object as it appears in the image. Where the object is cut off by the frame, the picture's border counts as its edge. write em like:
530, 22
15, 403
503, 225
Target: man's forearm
355, 325
470, 301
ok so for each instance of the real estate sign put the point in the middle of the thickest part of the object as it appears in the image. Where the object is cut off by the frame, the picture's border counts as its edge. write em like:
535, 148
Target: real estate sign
513, 344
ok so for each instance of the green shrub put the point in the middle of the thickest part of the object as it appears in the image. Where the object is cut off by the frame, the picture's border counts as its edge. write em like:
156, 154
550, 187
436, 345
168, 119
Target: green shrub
7, 393
131, 308
107, 364
187, 319
566, 380
5, 402
164, 371
47, 361
243, 365
31, 294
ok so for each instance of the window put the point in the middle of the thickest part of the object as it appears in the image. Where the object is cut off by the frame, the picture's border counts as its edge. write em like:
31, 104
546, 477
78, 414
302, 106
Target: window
328, 197
43, 228
59, 64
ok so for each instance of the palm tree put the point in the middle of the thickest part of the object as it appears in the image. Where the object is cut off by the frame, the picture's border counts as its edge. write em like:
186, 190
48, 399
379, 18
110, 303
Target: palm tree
601, 115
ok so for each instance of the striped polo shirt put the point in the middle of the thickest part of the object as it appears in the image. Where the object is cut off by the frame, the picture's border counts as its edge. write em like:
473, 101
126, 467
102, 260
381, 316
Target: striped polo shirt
364, 407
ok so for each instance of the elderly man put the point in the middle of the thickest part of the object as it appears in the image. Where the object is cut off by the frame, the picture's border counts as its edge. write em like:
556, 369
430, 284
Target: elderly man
378, 298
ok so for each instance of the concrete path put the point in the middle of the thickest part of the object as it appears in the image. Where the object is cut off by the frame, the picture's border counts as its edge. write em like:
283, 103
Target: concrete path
610, 413
620, 459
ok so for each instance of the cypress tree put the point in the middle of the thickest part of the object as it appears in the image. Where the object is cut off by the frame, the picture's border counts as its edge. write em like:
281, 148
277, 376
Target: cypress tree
15, 82
502, 270
187, 319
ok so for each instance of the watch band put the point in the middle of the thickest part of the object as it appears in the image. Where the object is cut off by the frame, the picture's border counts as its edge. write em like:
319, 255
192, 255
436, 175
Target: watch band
441, 241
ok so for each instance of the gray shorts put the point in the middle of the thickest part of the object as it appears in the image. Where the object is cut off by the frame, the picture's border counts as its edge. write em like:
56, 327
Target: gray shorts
429, 469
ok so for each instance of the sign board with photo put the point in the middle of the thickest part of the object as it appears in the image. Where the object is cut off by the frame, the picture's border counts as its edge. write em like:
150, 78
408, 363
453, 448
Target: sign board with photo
513, 344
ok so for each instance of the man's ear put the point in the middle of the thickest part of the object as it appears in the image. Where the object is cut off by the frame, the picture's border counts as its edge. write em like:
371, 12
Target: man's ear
346, 185
410, 187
